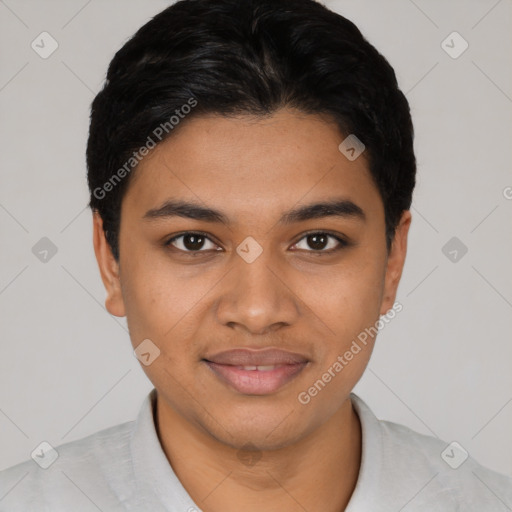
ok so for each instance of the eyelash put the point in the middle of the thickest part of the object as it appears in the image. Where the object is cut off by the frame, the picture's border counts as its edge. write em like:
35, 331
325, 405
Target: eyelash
342, 242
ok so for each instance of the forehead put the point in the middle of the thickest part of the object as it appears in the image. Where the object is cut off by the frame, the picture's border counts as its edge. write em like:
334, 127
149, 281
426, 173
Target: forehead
249, 163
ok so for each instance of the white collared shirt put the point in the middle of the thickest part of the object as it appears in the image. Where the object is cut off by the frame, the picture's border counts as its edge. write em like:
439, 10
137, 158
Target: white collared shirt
123, 468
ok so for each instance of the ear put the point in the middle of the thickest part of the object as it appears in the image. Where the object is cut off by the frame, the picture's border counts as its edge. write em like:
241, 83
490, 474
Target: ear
395, 264
109, 268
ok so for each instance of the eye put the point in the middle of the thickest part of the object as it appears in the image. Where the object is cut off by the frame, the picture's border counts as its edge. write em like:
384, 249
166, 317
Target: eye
319, 242
191, 242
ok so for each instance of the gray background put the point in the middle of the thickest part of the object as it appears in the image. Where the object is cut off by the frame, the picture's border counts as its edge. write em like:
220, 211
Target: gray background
442, 367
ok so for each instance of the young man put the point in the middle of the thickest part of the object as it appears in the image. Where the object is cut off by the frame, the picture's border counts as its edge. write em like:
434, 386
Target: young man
251, 171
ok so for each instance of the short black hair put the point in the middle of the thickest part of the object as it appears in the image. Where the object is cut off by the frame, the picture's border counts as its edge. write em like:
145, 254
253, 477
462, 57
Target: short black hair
234, 57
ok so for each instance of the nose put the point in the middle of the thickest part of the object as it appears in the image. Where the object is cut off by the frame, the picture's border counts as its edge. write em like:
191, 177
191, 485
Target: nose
257, 297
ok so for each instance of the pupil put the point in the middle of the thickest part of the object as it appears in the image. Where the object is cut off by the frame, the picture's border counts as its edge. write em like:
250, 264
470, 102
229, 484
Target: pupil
193, 242
317, 241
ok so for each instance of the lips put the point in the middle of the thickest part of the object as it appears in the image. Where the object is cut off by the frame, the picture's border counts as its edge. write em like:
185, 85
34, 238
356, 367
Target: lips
256, 372
246, 357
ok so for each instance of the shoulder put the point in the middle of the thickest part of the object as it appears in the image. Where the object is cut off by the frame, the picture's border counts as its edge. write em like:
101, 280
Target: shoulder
84, 470
426, 472
454, 471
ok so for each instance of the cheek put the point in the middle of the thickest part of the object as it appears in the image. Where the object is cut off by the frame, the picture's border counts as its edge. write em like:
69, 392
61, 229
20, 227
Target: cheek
346, 300
152, 298
163, 303
348, 304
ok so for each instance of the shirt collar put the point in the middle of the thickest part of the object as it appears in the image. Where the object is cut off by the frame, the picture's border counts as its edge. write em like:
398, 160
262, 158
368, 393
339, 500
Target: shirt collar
366, 493
156, 482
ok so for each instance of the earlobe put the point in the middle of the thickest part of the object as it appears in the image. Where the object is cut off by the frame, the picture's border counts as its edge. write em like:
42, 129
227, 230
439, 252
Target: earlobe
395, 264
109, 269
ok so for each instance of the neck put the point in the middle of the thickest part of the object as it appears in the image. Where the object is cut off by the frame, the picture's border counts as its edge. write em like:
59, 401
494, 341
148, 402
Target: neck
321, 468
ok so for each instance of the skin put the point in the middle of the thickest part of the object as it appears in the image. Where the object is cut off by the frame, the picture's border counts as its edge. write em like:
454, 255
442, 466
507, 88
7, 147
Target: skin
293, 297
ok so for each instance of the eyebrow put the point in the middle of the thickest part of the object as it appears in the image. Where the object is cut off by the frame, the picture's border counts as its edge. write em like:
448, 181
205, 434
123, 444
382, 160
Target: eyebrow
342, 208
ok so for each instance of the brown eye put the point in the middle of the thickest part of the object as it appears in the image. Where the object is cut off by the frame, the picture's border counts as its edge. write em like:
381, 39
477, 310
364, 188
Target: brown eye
317, 242
191, 242
321, 242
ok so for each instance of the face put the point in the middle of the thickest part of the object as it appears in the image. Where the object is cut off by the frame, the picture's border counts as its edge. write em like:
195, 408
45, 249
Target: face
250, 264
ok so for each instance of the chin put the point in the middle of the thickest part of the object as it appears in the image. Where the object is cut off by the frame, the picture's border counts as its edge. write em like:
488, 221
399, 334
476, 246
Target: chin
262, 430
